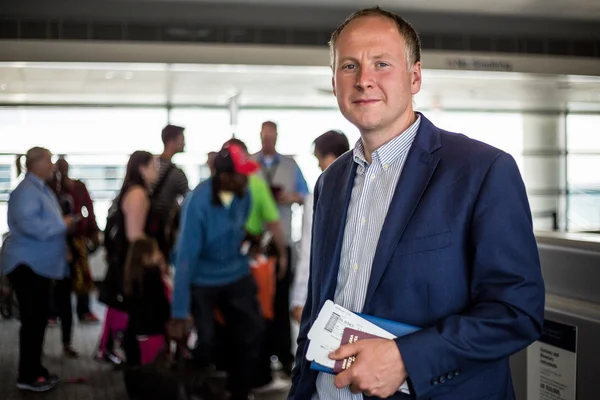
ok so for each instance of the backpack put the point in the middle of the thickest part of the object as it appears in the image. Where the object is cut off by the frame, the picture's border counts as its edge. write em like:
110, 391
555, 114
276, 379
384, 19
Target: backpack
115, 238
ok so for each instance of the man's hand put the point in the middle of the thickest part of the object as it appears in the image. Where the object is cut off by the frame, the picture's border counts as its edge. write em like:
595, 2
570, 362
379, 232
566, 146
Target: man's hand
289, 198
69, 221
297, 313
378, 369
178, 329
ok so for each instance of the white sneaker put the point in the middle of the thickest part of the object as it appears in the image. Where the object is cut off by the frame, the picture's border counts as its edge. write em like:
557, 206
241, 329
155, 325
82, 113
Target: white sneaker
276, 385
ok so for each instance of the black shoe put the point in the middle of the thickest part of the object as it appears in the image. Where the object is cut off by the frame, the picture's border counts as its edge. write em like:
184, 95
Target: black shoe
53, 379
70, 352
40, 385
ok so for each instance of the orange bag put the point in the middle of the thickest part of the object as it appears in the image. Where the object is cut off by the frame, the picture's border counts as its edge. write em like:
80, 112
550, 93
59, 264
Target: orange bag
263, 272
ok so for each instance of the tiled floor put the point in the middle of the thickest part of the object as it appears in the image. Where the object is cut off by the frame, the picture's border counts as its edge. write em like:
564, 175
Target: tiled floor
103, 383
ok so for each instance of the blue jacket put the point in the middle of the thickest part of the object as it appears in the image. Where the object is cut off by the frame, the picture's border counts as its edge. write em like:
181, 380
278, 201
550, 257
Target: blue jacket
37, 230
457, 257
208, 248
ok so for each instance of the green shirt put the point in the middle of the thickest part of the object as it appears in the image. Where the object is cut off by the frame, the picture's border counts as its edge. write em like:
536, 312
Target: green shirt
263, 209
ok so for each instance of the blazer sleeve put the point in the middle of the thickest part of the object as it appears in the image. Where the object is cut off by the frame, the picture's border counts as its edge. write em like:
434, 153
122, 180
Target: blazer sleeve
305, 322
507, 291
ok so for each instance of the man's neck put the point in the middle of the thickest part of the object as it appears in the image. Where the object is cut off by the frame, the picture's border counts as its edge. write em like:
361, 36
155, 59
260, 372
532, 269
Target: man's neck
373, 140
167, 155
268, 153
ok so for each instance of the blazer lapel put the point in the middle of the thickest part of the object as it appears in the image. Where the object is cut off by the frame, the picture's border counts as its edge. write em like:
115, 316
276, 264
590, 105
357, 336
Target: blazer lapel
336, 223
416, 174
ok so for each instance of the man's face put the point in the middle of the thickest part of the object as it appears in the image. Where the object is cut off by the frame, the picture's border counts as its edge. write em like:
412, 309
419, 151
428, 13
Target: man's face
371, 81
268, 137
179, 143
324, 161
43, 167
232, 181
63, 167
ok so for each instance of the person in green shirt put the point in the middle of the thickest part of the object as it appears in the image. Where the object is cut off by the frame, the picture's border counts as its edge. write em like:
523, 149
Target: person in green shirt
264, 214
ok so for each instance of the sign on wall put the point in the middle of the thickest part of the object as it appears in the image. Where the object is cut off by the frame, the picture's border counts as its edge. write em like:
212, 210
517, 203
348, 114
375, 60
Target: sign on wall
552, 363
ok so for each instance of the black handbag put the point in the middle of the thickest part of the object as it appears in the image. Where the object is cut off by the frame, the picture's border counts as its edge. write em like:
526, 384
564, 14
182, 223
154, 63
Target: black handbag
175, 379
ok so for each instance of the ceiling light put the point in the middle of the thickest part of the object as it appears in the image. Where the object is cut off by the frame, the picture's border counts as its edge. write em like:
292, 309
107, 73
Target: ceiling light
109, 75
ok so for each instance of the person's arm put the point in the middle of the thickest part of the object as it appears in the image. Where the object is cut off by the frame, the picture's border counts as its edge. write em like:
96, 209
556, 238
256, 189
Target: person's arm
269, 213
24, 211
300, 190
507, 289
183, 186
301, 277
189, 247
280, 244
135, 210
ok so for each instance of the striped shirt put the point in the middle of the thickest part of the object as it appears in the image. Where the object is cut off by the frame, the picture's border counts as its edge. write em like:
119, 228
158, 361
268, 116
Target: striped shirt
374, 186
173, 189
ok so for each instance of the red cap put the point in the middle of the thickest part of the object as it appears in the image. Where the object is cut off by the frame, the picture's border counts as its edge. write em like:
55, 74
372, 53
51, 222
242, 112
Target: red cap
232, 158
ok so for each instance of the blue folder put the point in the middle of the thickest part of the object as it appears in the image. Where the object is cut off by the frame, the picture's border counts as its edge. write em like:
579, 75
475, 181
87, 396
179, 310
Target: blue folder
395, 328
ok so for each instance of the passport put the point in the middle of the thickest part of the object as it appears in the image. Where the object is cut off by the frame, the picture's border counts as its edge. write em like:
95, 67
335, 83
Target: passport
396, 328
351, 336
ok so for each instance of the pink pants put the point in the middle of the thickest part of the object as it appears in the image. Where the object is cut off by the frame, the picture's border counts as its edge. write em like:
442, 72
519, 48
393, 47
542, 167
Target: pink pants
150, 346
115, 323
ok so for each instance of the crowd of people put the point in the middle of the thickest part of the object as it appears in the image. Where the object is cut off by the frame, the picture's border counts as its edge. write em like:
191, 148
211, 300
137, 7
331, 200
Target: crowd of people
211, 237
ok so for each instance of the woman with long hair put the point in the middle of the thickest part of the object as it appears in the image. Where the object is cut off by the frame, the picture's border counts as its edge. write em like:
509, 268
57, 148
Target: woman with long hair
35, 254
127, 222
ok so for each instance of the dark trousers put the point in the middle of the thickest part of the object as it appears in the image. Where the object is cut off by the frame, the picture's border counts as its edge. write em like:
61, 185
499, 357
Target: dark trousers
239, 306
62, 299
33, 295
83, 305
278, 337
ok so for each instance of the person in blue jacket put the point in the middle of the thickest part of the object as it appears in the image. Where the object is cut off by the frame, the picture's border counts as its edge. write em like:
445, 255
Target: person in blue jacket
212, 270
35, 253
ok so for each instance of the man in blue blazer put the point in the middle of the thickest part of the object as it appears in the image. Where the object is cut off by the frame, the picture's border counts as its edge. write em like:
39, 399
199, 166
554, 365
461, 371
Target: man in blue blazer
421, 226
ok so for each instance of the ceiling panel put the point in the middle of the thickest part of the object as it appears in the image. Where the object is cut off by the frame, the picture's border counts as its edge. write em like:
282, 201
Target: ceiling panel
585, 9
279, 86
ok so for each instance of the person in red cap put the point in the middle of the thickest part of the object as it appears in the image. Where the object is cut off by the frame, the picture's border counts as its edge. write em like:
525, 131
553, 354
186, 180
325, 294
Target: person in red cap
212, 269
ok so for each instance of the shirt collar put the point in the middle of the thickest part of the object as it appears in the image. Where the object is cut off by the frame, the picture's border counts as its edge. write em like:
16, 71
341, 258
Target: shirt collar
392, 150
36, 180
275, 158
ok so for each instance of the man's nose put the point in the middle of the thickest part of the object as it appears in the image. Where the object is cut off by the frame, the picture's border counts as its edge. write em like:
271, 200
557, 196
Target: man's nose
364, 78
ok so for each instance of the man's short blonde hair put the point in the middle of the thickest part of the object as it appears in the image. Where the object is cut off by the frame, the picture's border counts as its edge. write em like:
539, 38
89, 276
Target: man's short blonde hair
410, 35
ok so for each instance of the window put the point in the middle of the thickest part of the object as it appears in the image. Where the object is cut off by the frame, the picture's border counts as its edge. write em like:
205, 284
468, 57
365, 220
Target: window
98, 142
206, 130
583, 164
501, 130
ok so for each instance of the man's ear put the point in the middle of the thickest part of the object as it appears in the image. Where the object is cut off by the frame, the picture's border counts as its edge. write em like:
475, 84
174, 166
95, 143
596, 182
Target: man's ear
333, 85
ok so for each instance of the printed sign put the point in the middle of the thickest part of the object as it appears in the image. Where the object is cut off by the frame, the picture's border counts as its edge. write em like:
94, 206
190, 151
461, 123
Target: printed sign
552, 363
477, 64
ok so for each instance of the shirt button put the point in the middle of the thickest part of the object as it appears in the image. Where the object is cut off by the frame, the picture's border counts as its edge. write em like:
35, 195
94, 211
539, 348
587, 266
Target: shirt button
372, 177
386, 166
363, 221
355, 267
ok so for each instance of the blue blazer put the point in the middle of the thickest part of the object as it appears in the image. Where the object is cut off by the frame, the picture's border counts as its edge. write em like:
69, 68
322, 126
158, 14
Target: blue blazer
456, 256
